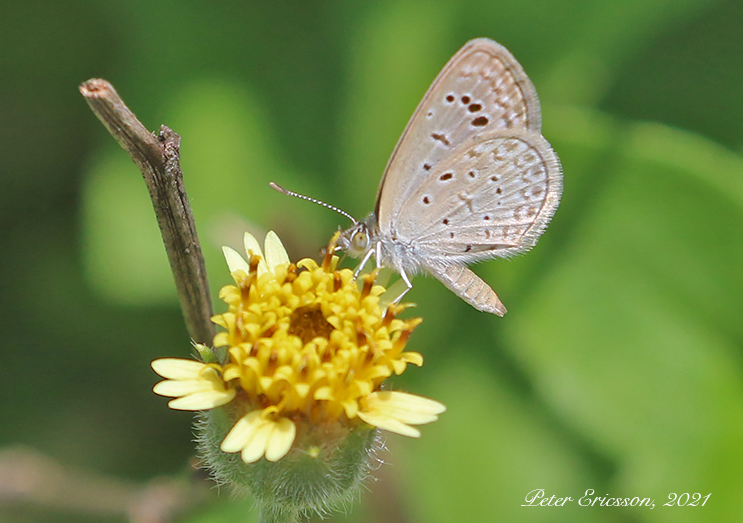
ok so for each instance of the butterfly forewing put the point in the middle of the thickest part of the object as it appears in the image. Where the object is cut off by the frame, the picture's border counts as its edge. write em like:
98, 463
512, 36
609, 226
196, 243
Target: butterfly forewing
493, 196
482, 88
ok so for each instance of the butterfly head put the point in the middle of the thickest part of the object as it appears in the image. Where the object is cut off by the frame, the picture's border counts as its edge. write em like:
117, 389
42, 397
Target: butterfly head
356, 240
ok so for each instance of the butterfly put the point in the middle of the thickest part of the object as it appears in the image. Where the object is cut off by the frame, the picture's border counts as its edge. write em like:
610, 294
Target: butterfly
471, 178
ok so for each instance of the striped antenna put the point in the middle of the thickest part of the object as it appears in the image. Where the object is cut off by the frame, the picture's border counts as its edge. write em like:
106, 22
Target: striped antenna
313, 200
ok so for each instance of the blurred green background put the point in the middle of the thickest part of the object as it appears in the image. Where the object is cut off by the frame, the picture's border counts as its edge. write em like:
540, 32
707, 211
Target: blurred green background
618, 366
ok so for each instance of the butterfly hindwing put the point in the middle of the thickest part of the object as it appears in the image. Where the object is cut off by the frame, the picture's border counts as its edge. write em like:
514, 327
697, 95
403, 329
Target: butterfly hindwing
492, 197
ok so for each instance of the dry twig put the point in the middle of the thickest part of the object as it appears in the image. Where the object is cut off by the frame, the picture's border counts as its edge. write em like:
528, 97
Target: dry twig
158, 157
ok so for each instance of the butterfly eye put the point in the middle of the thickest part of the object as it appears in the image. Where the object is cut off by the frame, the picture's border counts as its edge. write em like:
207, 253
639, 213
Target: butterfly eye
360, 241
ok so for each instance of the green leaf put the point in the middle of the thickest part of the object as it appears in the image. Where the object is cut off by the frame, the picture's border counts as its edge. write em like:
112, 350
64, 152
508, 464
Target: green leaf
633, 335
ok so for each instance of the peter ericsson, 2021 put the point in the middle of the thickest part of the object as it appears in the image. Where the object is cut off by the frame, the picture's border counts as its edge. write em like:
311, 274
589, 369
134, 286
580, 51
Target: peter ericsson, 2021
538, 498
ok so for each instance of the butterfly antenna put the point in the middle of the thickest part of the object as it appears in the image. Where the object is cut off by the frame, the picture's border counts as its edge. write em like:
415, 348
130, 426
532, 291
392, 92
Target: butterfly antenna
313, 200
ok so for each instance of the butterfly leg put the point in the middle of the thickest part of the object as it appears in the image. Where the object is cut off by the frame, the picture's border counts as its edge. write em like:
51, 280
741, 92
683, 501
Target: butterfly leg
363, 263
409, 285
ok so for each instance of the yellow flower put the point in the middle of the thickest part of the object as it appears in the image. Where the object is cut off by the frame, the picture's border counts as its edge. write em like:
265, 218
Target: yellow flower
305, 345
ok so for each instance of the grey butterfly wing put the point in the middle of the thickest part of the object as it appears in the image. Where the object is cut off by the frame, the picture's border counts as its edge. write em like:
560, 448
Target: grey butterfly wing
482, 88
493, 197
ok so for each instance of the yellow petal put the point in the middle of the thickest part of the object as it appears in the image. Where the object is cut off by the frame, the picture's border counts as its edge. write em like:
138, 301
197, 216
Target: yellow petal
413, 357
281, 439
378, 371
177, 369
275, 252
361, 388
307, 263
384, 422
265, 382
231, 372
399, 366
256, 447
351, 407
405, 407
235, 262
219, 319
302, 389
178, 388
202, 400
241, 433
323, 393
252, 248
395, 411
221, 339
